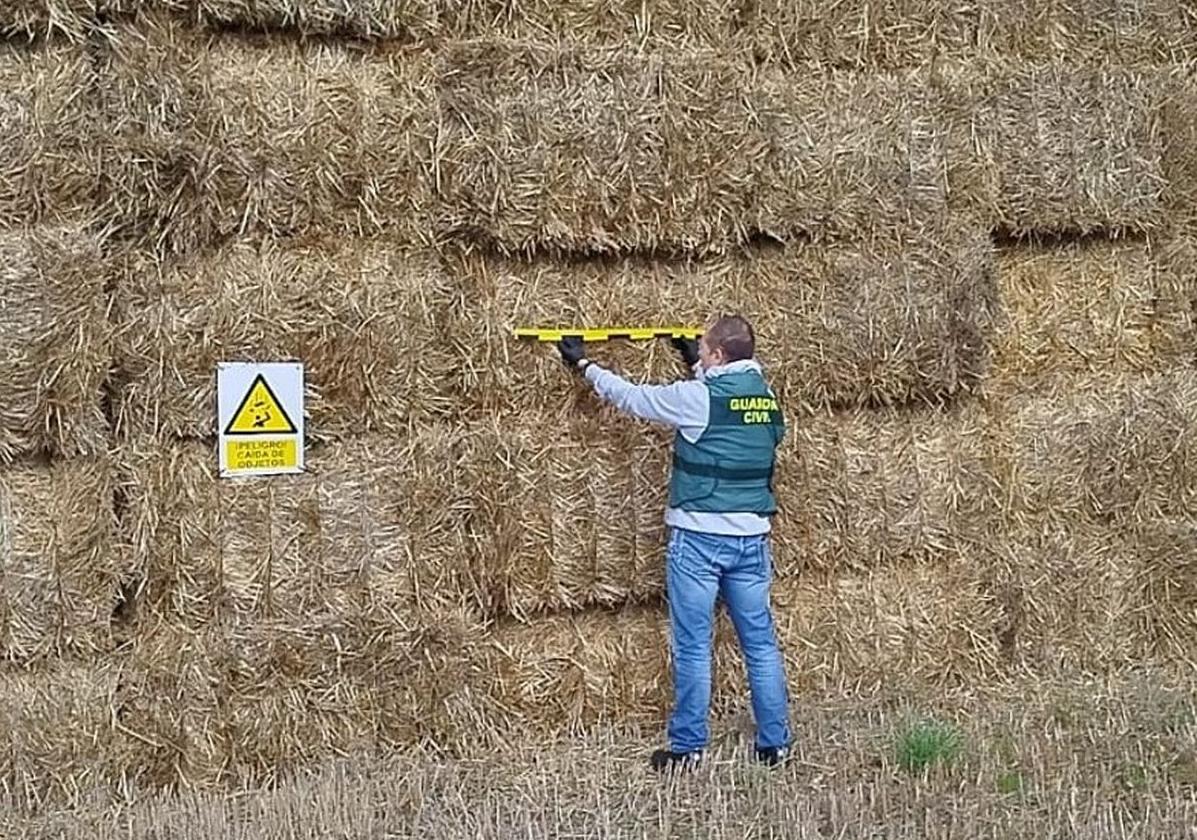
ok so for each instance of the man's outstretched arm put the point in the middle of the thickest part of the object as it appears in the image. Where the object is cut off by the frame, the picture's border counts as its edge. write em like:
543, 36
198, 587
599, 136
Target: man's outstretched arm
681, 405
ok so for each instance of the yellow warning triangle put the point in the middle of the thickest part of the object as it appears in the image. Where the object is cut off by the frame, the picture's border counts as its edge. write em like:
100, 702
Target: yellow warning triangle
260, 413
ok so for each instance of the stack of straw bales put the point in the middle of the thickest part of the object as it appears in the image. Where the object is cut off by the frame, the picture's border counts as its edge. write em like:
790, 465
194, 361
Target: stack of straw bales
1057, 503
989, 462
272, 197
568, 497
286, 619
60, 570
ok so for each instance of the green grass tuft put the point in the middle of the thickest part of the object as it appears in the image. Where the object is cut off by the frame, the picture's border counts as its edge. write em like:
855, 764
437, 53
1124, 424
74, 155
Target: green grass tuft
927, 743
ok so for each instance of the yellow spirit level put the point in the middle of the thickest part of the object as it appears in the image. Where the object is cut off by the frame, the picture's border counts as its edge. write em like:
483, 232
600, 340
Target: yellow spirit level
607, 333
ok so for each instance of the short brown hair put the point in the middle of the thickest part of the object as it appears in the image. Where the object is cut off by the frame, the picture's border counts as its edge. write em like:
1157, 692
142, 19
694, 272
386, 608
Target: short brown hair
733, 335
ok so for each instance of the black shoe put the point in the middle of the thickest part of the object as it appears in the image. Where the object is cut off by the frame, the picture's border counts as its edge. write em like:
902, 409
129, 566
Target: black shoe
666, 761
773, 756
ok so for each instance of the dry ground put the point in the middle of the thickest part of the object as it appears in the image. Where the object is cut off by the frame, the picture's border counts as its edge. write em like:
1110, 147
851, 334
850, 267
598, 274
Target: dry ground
1069, 758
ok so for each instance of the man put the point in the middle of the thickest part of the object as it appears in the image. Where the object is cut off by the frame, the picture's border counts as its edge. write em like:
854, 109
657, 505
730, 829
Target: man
728, 426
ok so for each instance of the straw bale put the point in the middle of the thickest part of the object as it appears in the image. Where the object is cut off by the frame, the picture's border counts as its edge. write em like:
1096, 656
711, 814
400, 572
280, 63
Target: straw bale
1179, 129
869, 489
49, 155
564, 148
1099, 31
215, 134
359, 19
61, 737
569, 510
901, 316
663, 24
298, 695
1088, 306
364, 316
60, 567
374, 523
1065, 595
601, 150
897, 33
54, 341
249, 703
1164, 585
1174, 253
169, 701
571, 671
1056, 148
39, 19
850, 152
928, 625
1113, 448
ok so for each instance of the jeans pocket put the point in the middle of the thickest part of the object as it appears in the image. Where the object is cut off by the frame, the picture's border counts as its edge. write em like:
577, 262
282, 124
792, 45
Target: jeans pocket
682, 554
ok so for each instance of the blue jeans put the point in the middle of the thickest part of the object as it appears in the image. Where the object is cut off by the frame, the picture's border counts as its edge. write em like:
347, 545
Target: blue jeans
699, 568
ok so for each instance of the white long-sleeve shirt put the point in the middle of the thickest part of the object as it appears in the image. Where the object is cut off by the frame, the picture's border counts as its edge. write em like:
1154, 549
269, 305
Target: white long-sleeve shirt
685, 406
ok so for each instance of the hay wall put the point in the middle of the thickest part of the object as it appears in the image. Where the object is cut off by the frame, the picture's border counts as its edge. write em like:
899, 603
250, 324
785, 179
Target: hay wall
475, 551
61, 568
367, 317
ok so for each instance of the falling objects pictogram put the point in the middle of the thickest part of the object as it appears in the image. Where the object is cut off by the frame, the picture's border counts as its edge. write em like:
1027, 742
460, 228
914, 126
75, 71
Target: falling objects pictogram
260, 412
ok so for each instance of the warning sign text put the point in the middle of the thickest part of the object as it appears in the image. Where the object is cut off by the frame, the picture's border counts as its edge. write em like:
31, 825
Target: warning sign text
251, 454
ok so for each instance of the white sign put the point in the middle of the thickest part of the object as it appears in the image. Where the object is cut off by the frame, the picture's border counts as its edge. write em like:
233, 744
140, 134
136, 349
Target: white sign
259, 418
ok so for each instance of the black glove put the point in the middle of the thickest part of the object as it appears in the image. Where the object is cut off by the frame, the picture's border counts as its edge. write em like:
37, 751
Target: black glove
573, 351
688, 347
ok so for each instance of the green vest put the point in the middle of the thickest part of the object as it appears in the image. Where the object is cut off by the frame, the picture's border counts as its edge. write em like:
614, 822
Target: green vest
729, 469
